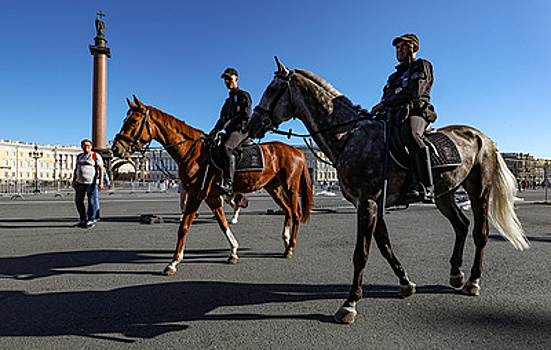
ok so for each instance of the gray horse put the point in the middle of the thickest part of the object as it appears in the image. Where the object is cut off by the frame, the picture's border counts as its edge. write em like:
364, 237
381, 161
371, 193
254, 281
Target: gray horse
356, 147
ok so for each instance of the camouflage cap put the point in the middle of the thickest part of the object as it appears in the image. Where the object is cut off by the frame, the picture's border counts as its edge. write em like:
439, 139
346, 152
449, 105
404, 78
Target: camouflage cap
408, 38
229, 72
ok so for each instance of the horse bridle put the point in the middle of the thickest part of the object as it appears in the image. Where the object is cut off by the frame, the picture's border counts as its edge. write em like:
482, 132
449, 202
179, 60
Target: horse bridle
135, 142
266, 115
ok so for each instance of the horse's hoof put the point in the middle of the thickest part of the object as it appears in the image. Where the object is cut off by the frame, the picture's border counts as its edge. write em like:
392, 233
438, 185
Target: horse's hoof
346, 315
472, 288
407, 290
457, 281
169, 270
288, 254
232, 259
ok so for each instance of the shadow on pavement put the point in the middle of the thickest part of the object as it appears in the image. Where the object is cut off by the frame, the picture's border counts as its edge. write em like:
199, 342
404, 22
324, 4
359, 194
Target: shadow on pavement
530, 238
51, 264
146, 311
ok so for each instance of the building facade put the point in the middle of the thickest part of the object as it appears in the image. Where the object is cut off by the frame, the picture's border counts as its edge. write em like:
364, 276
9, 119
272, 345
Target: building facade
23, 161
27, 162
526, 168
321, 173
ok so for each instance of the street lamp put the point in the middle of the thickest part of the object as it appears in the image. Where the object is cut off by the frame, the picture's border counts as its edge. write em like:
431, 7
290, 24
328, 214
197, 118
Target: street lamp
36, 154
57, 175
545, 180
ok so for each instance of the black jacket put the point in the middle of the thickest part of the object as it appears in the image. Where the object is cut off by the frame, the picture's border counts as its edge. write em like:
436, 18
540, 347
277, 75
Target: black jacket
236, 110
409, 88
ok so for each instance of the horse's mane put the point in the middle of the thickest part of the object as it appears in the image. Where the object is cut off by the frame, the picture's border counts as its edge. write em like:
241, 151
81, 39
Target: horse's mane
325, 93
320, 82
179, 125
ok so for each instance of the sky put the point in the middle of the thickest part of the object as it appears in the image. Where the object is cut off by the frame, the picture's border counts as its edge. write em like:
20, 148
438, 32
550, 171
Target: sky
489, 57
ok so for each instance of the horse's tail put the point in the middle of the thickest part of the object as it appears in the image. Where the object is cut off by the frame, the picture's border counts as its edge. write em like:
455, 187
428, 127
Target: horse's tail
502, 211
306, 193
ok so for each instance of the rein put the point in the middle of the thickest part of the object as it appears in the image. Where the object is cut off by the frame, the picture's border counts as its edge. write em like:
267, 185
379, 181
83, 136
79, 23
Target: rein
290, 133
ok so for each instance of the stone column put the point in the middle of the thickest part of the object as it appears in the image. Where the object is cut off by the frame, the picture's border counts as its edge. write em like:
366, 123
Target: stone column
101, 52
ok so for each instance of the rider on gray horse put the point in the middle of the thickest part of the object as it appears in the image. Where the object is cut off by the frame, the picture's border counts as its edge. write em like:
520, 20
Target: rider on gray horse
406, 96
234, 117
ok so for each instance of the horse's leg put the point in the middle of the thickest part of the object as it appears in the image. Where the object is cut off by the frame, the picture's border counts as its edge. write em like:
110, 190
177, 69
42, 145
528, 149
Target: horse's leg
277, 194
407, 288
216, 203
447, 206
367, 220
295, 212
192, 206
291, 195
480, 206
235, 217
236, 210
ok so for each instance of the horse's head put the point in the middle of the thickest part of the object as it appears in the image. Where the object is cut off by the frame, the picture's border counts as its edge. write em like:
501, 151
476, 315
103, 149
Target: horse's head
136, 130
276, 104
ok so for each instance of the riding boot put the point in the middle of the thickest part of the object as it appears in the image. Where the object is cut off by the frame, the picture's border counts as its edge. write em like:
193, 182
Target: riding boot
226, 184
423, 186
422, 159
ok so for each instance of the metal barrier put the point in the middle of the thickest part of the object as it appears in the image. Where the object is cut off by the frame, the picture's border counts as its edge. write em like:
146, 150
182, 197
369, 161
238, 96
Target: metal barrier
18, 190
141, 187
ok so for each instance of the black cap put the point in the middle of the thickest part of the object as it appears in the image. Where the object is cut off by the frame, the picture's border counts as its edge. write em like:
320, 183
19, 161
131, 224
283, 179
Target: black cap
229, 72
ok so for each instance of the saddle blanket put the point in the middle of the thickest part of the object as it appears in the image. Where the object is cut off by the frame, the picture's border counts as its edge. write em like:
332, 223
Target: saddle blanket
250, 158
443, 151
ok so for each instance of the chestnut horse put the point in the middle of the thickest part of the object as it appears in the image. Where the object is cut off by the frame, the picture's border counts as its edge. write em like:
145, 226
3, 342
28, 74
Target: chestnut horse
357, 149
285, 173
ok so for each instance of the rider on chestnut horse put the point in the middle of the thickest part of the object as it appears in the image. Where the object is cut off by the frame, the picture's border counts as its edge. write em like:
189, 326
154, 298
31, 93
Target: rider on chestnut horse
233, 119
406, 96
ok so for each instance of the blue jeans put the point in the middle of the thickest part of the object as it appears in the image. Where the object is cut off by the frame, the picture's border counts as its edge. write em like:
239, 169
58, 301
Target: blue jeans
93, 202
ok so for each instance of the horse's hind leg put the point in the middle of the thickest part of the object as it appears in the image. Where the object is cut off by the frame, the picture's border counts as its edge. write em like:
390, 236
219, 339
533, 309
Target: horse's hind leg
447, 206
480, 205
236, 209
235, 217
292, 195
407, 288
278, 195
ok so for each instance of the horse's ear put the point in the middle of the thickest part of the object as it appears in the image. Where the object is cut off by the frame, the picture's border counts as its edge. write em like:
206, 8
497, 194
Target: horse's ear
137, 102
280, 67
130, 104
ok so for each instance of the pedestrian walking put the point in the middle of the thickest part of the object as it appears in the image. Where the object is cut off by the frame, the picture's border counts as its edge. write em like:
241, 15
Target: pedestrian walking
87, 181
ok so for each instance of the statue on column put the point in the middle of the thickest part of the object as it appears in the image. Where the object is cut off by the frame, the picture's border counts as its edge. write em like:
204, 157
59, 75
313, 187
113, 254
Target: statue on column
100, 25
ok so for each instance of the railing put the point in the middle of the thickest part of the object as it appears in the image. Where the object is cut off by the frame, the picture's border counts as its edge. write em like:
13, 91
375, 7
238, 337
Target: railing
19, 189
142, 187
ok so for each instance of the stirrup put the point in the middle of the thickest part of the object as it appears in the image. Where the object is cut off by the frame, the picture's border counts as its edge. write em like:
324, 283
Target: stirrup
226, 187
419, 193
428, 197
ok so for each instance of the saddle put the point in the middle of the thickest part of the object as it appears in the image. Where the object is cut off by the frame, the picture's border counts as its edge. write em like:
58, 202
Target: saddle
248, 155
444, 154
